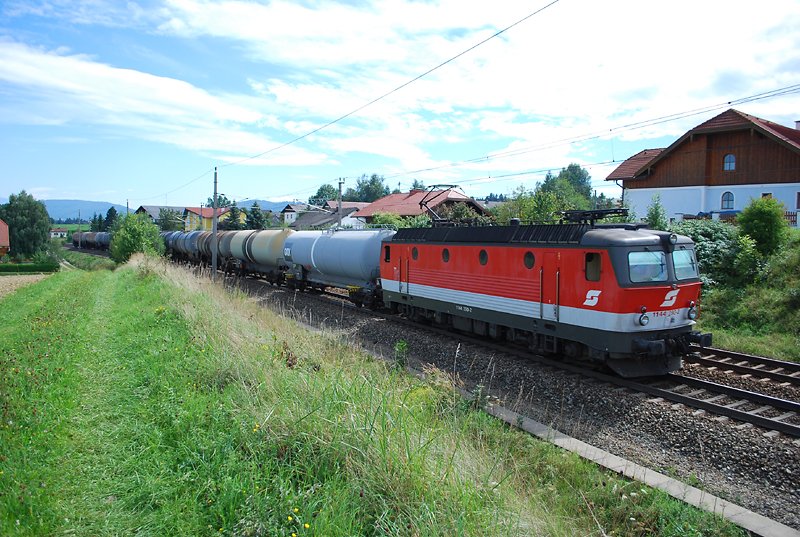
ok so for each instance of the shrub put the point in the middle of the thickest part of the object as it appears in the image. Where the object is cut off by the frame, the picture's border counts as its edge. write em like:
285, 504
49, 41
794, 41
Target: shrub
136, 234
716, 247
763, 220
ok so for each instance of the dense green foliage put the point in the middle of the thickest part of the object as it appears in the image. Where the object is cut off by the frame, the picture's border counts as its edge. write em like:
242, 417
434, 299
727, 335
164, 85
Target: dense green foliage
324, 193
656, 215
715, 243
137, 233
399, 222
13, 268
222, 201
135, 407
169, 220
28, 224
255, 219
763, 221
233, 221
85, 261
367, 189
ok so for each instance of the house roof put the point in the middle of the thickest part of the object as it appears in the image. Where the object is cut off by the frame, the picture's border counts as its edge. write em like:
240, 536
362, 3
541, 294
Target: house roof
629, 167
729, 120
316, 219
206, 212
407, 203
4, 240
58, 230
154, 210
295, 208
358, 205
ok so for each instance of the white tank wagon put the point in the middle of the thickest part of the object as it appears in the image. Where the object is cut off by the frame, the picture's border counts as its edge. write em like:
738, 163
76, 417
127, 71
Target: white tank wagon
261, 254
103, 240
347, 259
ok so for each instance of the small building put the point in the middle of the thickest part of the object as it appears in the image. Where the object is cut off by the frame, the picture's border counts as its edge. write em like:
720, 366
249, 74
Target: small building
328, 219
5, 242
333, 205
154, 211
716, 169
202, 218
58, 233
290, 213
408, 204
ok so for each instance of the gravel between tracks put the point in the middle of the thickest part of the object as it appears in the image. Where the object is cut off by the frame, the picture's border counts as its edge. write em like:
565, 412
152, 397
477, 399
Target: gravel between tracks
740, 464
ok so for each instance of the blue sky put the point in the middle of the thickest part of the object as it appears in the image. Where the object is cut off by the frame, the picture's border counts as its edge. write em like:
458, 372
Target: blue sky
138, 101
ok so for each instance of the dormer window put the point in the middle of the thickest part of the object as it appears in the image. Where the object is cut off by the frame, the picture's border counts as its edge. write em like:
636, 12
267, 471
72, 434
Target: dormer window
727, 201
729, 162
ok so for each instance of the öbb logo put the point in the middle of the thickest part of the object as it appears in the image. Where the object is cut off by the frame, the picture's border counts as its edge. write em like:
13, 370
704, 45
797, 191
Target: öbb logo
592, 297
670, 298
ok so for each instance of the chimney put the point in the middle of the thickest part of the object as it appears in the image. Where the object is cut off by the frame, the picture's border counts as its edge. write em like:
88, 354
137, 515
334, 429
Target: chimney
797, 125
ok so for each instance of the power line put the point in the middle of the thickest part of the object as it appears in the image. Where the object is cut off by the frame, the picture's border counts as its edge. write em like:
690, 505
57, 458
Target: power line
395, 90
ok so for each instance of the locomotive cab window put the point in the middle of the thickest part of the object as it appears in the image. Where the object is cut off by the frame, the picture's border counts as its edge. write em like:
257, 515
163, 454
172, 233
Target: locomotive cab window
593, 267
685, 264
647, 267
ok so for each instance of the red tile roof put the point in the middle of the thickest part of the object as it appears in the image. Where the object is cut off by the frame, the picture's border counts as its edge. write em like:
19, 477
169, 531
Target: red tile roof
4, 241
207, 212
628, 169
333, 204
407, 203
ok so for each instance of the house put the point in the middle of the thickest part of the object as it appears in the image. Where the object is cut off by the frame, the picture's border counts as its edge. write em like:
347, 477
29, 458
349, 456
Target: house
327, 219
716, 168
408, 204
333, 205
292, 211
153, 211
5, 243
58, 233
201, 218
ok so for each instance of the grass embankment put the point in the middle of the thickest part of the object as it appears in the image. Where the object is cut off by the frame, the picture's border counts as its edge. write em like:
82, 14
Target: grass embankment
87, 261
133, 405
762, 318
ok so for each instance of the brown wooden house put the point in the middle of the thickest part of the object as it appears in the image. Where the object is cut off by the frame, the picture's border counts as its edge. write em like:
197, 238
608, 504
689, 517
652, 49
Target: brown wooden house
716, 168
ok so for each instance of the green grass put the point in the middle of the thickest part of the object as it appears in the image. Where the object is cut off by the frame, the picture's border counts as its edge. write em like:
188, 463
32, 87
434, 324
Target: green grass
144, 401
87, 261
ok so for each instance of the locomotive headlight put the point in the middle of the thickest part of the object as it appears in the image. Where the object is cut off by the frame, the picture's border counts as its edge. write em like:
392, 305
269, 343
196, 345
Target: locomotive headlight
673, 238
692, 314
644, 319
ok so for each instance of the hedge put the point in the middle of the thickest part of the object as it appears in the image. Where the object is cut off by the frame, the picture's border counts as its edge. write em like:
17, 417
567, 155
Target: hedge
29, 267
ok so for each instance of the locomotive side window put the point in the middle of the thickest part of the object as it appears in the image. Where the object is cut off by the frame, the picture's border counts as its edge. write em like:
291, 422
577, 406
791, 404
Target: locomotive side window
483, 257
414, 253
593, 267
445, 255
529, 260
647, 266
685, 264
386, 256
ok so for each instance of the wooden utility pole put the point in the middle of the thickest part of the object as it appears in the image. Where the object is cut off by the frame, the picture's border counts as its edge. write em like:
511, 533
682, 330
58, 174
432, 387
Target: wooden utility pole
341, 182
213, 231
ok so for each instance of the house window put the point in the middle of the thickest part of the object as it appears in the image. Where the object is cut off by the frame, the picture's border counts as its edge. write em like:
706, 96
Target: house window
727, 201
729, 162
797, 205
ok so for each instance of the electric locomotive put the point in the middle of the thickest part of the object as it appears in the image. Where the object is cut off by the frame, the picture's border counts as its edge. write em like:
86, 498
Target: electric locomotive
616, 294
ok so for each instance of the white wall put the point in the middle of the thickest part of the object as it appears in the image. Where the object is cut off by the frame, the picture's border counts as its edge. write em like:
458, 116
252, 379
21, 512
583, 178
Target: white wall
706, 199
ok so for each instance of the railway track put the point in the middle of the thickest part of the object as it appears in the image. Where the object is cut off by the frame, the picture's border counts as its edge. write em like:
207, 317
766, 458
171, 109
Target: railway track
745, 364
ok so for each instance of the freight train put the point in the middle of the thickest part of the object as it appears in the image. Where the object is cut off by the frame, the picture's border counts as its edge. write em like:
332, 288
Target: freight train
619, 295
100, 240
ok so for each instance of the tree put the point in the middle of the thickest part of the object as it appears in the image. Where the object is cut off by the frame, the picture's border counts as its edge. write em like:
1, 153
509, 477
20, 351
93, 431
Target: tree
418, 185
255, 218
96, 223
234, 220
169, 220
579, 178
656, 216
110, 220
368, 189
28, 224
764, 222
136, 233
222, 201
324, 193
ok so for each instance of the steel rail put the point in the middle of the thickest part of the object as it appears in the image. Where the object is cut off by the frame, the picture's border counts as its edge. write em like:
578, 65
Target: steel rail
790, 367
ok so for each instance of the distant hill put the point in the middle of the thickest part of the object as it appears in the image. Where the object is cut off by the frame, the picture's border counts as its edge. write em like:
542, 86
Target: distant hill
63, 209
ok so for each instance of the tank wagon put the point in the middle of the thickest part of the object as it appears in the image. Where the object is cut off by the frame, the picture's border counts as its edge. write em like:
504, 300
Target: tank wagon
621, 295
347, 259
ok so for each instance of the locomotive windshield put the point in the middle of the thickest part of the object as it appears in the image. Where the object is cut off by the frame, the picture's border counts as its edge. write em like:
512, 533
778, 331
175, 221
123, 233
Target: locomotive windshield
685, 264
647, 267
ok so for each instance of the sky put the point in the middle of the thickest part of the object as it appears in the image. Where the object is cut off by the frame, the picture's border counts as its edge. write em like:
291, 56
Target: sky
138, 102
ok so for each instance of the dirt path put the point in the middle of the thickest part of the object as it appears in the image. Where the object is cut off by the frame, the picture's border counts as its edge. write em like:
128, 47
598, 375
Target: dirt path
9, 284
